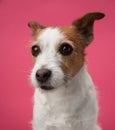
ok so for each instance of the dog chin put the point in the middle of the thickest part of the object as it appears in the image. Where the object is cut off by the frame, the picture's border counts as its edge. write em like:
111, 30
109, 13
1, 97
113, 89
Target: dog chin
50, 86
47, 87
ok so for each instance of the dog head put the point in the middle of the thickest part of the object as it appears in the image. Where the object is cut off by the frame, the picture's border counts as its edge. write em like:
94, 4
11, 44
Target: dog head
58, 52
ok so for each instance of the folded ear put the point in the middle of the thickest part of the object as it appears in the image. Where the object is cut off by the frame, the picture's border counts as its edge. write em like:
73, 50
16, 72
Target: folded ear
84, 25
35, 27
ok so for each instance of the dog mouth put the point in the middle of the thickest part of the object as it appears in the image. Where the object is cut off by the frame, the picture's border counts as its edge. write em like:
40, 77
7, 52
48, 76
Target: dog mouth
44, 87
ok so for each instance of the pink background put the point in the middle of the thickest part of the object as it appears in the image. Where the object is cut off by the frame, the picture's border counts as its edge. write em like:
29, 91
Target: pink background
15, 59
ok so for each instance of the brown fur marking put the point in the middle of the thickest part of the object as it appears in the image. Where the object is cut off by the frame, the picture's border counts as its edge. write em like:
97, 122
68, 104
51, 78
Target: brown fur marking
72, 64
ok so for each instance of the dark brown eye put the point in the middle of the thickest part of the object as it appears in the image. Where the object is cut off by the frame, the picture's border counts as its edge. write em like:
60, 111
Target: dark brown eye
35, 50
65, 49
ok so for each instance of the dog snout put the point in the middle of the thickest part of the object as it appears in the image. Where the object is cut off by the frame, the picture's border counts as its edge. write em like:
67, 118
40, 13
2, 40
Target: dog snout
43, 75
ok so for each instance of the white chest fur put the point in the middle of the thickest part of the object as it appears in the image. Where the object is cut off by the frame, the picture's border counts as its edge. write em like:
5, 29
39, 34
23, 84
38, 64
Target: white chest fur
71, 107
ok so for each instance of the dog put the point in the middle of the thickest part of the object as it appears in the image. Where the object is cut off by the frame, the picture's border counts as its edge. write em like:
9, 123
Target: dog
65, 97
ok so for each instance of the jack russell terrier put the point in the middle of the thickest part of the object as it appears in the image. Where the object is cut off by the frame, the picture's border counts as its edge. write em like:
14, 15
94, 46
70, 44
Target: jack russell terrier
65, 96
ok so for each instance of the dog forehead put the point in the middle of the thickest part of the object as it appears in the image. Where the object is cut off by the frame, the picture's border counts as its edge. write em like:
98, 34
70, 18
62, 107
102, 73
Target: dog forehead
51, 36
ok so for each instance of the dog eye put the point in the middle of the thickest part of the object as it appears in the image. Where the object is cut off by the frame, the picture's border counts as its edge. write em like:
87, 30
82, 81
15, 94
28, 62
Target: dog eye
35, 50
65, 49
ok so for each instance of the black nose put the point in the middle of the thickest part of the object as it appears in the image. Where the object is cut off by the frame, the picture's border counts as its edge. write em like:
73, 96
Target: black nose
42, 75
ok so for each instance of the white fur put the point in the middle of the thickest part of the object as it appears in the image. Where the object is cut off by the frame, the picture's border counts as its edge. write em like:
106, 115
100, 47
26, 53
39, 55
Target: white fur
49, 58
70, 106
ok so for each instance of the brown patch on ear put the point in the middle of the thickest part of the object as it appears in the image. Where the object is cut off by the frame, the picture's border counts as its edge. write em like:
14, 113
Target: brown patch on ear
85, 25
35, 27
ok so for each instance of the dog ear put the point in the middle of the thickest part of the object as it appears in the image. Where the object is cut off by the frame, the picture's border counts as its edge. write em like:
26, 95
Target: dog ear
84, 25
35, 27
